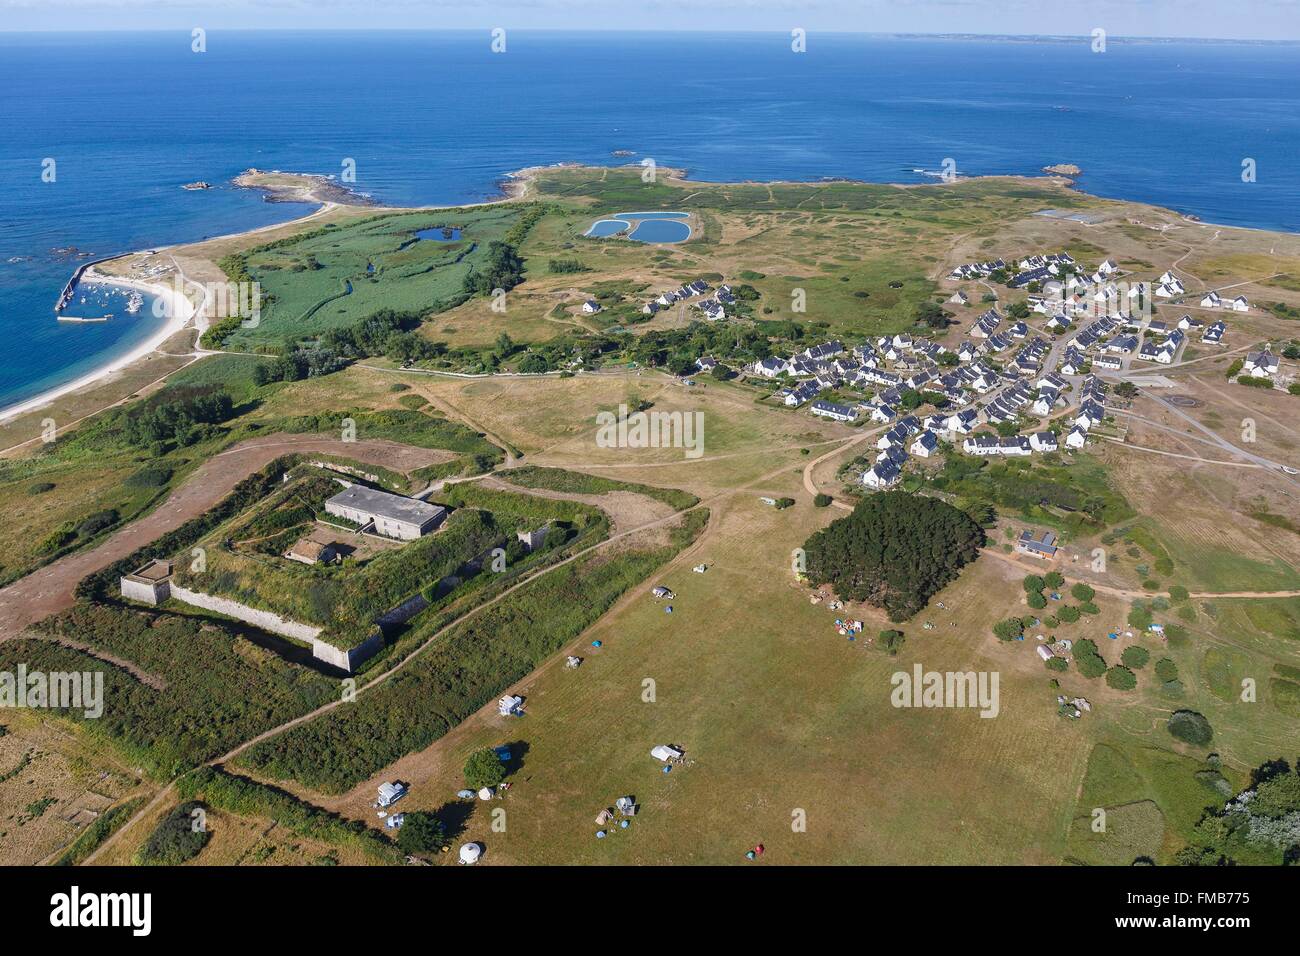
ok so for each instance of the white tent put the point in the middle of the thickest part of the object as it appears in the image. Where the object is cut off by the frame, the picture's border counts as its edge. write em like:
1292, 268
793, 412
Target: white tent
485, 793
665, 753
470, 852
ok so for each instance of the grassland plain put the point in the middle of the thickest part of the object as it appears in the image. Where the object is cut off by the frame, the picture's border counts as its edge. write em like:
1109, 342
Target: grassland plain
53, 782
777, 712
337, 275
477, 660
725, 659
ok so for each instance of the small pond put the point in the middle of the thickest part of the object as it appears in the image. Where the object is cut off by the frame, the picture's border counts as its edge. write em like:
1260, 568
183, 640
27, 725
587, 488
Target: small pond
439, 233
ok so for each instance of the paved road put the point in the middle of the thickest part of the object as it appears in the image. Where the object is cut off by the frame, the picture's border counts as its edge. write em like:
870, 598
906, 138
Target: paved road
1217, 439
49, 590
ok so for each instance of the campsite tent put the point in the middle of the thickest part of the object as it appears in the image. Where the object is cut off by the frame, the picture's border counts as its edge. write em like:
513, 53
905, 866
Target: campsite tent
470, 852
665, 752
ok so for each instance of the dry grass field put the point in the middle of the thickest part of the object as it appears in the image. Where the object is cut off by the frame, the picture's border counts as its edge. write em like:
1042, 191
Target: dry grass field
790, 735
52, 785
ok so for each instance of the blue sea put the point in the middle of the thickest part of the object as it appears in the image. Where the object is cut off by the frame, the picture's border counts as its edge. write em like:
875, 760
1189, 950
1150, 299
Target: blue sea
439, 118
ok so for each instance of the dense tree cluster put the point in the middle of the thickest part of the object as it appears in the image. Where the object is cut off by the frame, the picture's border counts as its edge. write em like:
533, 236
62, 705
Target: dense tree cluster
386, 332
502, 269
175, 414
179, 837
1259, 826
894, 551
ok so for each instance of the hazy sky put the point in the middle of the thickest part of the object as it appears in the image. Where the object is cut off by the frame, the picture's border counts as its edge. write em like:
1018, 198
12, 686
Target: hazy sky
1238, 19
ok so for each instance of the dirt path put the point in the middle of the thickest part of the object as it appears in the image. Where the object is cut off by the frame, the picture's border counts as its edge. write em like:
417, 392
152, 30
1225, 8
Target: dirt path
1174, 454
451, 411
626, 509
143, 676
49, 590
811, 487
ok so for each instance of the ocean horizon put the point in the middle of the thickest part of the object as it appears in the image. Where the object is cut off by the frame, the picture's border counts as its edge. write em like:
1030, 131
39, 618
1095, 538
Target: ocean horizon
437, 118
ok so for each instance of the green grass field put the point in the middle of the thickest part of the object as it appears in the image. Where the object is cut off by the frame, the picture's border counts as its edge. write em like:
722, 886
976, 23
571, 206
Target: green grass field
338, 275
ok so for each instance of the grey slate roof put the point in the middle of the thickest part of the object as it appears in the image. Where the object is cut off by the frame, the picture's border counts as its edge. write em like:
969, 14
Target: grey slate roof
384, 505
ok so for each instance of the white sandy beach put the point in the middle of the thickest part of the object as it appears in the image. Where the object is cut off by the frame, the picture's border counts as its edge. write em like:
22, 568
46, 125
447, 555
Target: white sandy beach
180, 312
516, 186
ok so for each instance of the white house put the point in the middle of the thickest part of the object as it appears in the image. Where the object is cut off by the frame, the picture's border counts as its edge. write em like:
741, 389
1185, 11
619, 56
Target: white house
1045, 402
883, 474
1260, 364
925, 444
963, 422
803, 392
591, 306
1077, 438
1240, 304
1211, 300
1043, 441
840, 413
959, 298
771, 367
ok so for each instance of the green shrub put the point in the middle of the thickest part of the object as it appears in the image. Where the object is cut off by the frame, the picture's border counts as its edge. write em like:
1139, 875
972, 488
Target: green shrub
178, 838
421, 832
484, 769
1088, 660
1009, 629
1121, 678
1135, 657
155, 476
1190, 727
1082, 592
1139, 617
891, 641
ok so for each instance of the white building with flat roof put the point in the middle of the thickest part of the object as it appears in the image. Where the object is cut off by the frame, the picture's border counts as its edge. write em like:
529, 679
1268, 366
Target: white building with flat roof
393, 516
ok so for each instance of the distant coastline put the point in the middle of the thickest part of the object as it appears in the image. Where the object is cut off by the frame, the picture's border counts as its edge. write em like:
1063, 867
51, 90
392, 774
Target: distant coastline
326, 193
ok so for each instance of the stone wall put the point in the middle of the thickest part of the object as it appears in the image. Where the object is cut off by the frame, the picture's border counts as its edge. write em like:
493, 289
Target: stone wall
147, 592
346, 660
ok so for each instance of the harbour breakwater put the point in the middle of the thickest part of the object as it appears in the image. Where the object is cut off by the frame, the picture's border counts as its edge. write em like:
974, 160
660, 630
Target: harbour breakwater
66, 295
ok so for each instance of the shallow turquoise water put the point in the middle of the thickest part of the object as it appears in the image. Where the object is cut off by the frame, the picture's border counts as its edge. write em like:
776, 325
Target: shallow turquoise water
1164, 123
